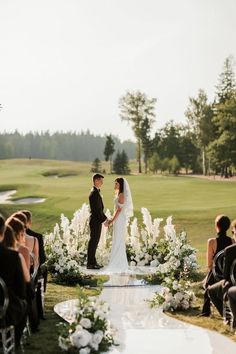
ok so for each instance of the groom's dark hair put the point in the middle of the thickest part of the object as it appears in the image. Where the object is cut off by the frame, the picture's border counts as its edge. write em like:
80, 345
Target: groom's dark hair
120, 180
97, 176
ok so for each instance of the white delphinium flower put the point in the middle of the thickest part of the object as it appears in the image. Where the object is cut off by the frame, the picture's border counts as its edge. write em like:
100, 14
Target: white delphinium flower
156, 228
147, 220
80, 338
169, 229
144, 236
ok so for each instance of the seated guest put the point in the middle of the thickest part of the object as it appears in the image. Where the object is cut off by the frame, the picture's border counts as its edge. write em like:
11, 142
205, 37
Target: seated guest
30, 241
218, 290
19, 230
30, 232
215, 245
10, 242
12, 274
43, 271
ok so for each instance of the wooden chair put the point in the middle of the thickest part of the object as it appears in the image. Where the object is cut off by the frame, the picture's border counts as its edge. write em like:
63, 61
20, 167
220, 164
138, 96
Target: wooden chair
7, 339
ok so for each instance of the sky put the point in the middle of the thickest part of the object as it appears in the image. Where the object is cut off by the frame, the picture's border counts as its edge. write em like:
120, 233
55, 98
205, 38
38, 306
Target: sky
64, 64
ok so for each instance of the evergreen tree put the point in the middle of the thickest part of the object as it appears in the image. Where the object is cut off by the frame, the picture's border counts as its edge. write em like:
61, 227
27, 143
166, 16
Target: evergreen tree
96, 166
109, 150
134, 108
226, 82
223, 149
121, 163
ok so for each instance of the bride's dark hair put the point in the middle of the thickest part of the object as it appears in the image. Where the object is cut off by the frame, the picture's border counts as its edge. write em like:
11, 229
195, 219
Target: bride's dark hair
120, 180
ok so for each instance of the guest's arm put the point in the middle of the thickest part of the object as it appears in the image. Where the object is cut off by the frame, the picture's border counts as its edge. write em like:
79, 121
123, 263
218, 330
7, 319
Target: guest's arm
211, 248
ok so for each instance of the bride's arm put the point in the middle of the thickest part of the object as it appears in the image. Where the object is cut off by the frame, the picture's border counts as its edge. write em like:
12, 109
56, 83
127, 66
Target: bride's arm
118, 209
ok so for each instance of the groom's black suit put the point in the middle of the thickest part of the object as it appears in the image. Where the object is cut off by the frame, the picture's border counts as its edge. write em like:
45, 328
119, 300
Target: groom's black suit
97, 217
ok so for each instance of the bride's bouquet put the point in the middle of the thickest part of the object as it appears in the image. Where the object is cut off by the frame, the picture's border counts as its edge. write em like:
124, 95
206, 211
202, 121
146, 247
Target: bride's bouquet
90, 331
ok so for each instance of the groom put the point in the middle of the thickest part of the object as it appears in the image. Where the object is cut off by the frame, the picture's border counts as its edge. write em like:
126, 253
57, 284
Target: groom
97, 217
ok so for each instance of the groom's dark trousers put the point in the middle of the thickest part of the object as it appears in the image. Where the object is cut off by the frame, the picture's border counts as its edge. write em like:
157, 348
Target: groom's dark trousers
97, 217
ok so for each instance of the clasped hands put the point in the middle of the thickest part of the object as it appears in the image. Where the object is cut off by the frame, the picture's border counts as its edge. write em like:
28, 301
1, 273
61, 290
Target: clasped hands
108, 222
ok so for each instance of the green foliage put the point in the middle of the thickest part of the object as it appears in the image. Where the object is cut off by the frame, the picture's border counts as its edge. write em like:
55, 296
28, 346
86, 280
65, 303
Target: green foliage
155, 163
58, 146
109, 150
121, 164
138, 110
96, 166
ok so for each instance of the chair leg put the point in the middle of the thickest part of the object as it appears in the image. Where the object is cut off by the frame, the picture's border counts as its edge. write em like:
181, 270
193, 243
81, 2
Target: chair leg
8, 340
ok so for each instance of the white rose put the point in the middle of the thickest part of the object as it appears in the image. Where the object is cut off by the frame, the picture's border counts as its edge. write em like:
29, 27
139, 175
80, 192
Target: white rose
175, 285
80, 338
154, 263
63, 343
132, 264
185, 304
97, 337
85, 322
84, 350
178, 297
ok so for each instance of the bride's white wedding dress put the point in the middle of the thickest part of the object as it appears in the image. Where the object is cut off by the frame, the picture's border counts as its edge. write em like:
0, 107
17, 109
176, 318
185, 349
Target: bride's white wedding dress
118, 259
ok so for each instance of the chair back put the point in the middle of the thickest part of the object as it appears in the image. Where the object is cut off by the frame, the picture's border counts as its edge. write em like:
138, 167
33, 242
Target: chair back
4, 299
34, 269
218, 265
233, 272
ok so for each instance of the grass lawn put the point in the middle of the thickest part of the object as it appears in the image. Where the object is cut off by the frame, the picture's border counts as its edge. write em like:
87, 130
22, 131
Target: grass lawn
193, 203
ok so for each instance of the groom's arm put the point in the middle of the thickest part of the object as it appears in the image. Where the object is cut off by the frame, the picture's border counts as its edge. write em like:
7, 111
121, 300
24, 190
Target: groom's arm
96, 207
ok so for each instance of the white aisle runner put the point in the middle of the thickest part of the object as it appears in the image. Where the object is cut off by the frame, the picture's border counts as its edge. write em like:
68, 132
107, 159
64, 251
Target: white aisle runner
142, 330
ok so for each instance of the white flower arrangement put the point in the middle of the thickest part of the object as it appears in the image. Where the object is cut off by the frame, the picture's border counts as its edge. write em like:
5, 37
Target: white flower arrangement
171, 254
175, 295
90, 331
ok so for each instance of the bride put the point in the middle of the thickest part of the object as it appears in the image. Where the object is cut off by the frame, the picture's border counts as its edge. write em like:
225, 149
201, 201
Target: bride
123, 211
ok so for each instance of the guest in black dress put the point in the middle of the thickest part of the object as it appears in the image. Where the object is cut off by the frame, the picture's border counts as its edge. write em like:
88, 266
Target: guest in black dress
12, 274
215, 245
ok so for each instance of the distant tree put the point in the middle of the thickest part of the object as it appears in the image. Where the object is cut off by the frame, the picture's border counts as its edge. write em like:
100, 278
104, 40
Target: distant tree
200, 119
121, 163
189, 152
169, 140
134, 108
226, 81
146, 140
155, 163
109, 150
174, 165
165, 164
223, 149
96, 166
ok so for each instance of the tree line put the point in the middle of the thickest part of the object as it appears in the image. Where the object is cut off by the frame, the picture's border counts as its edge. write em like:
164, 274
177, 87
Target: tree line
205, 144
72, 146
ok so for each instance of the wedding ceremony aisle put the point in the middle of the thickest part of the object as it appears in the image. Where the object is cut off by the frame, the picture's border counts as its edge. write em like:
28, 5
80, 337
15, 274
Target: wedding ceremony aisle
145, 330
